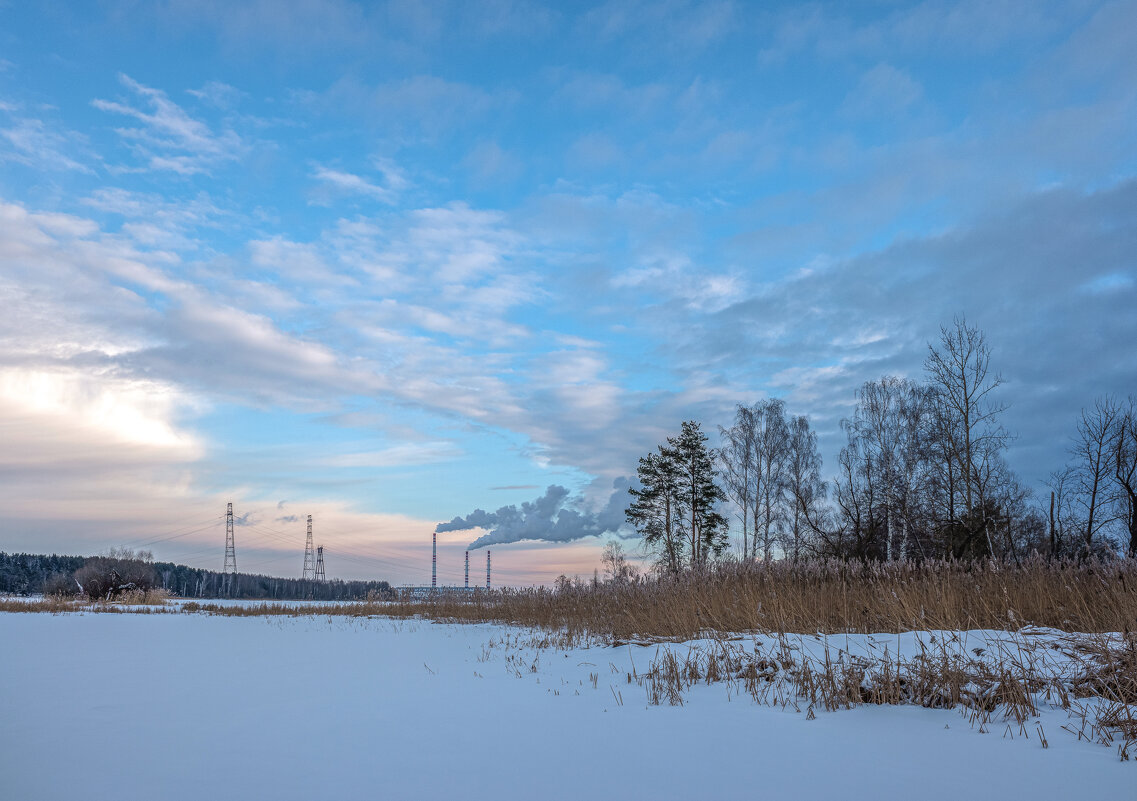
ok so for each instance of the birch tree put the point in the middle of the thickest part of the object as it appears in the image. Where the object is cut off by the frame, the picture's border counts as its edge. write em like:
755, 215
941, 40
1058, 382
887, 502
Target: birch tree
891, 420
804, 488
959, 370
738, 465
770, 442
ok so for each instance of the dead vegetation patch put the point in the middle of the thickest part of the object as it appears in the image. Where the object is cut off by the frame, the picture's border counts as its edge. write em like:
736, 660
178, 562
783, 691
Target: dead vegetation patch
1094, 678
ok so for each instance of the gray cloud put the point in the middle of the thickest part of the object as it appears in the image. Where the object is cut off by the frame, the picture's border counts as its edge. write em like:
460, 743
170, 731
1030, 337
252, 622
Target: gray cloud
552, 517
1025, 275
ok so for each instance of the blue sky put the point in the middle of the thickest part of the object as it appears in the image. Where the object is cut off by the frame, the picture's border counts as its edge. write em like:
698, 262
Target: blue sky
387, 263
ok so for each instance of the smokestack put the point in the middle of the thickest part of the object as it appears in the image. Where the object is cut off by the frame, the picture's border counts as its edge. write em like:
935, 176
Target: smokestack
434, 561
467, 570
487, 569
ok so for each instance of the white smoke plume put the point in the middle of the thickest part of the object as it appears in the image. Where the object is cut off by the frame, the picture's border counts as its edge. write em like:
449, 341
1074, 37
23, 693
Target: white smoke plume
553, 517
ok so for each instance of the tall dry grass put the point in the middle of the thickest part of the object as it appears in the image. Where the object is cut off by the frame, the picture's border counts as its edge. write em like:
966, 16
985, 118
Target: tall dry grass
816, 597
151, 600
54, 604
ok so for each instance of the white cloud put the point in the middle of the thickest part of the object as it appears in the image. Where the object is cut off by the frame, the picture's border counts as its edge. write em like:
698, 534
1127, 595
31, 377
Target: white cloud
168, 137
458, 243
405, 455
339, 182
394, 177
218, 94
32, 142
302, 262
93, 411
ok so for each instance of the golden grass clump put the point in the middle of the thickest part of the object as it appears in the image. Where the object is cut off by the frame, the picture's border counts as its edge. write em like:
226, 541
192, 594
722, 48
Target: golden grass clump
54, 604
155, 596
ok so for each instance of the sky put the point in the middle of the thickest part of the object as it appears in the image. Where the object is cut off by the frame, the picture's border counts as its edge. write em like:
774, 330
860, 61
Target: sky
390, 264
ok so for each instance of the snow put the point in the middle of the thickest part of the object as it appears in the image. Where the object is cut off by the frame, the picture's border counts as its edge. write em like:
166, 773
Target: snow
191, 706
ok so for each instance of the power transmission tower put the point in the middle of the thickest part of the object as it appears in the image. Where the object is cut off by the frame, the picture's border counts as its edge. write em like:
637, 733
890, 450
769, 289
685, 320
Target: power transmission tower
320, 563
230, 549
487, 569
309, 558
467, 570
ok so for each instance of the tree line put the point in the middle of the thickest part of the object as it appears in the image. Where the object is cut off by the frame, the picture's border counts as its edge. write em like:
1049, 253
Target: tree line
922, 474
121, 570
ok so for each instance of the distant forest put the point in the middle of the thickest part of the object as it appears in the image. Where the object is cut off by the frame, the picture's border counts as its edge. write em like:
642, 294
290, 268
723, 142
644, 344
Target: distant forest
32, 574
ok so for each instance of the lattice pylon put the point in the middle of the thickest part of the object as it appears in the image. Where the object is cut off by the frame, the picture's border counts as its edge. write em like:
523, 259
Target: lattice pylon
230, 547
320, 563
309, 555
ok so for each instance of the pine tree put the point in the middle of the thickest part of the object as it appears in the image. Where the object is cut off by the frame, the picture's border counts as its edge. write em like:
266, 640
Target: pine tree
699, 494
675, 506
656, 511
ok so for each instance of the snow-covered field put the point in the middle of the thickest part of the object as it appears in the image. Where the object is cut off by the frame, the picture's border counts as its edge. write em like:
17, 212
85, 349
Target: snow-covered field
190, 706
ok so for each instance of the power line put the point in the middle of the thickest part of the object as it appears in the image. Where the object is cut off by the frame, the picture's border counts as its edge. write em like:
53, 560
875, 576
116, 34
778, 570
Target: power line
174, 533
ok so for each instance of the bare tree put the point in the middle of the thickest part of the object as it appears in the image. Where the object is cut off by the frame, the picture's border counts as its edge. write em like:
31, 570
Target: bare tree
943, 473
851, 531
1063, 524
1125, 471
1095, 467
616, 566
960, 374
892, 422
804, 488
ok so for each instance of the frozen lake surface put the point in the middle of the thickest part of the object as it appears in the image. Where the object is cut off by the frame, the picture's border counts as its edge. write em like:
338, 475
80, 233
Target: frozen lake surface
190, 706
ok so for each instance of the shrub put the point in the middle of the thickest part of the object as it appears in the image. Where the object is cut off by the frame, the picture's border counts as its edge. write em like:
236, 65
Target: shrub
61, 585
105, 578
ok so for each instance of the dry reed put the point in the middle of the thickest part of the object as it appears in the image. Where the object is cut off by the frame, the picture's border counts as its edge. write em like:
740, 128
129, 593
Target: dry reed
821, 597
152, 600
